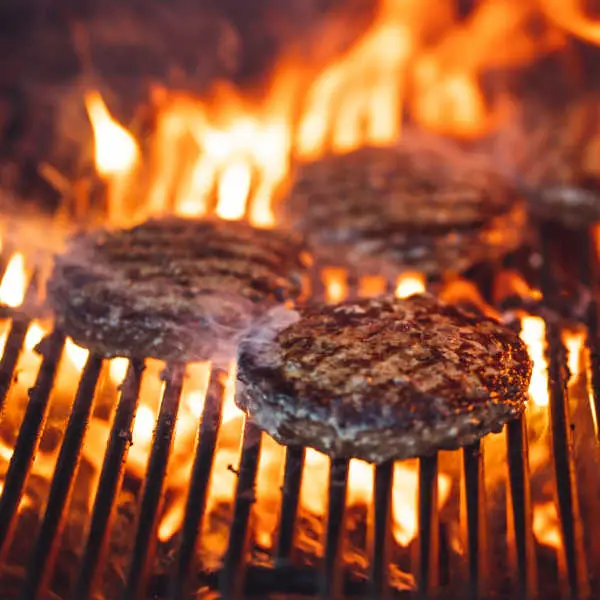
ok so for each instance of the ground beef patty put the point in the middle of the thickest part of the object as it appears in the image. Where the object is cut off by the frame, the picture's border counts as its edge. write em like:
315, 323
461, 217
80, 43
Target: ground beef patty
556, 154
386, 210
173, 289
382, 378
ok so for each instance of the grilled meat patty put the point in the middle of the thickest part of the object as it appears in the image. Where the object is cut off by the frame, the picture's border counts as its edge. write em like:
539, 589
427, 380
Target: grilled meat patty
386, 210
173, 289
555, 152
382, 378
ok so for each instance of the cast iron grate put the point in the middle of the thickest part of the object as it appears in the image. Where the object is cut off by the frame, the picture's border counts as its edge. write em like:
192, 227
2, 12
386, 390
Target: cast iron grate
477, 571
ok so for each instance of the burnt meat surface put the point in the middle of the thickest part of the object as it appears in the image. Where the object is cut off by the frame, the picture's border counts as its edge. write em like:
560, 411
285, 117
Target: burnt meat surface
383, 378
173, 289
386, 210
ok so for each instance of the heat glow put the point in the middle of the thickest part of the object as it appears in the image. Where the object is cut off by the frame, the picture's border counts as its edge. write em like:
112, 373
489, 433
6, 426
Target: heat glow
232, 153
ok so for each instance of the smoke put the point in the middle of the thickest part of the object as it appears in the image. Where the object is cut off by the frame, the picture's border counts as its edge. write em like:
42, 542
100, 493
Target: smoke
259, 339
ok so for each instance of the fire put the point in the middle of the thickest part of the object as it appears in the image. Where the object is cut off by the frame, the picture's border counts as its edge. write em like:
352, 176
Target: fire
34, 335
115, 148
533, 333
409, 284
117, 155
232, 151
231, 154
336, 284
14, 282
570, 15
546, 525
77, 355
574, 342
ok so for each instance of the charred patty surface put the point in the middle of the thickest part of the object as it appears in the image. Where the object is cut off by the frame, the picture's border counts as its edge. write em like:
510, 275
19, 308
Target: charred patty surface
173, 289
385, 210
383, 378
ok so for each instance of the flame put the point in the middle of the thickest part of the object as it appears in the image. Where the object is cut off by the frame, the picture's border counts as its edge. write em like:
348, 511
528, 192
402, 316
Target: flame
77, 355
115, 148
546, 525
404, 499
409, 284
35, 334
570, 15
117, 369
336, 284
371, 286
511, 283
574, 342
533, 333
231, 151
14, 282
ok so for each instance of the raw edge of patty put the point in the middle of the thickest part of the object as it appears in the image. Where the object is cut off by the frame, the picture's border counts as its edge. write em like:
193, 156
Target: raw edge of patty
389, 209
174, 289
444, 397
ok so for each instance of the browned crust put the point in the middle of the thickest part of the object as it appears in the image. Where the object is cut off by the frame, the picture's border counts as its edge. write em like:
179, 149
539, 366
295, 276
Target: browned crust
385, 210
384, 378
173, 289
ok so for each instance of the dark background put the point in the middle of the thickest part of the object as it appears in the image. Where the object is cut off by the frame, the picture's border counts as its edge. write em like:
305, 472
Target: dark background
51, 51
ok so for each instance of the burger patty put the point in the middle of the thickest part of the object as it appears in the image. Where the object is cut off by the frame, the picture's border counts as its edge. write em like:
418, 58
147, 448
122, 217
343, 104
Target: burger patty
557, 157
173, 289
386, 210
382, 378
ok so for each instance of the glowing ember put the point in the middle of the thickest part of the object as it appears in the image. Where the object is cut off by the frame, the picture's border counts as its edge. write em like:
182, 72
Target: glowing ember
14, 282
409, 284
533, 333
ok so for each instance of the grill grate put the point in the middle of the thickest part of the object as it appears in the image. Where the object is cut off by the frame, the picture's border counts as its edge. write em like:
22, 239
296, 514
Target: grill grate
488, 565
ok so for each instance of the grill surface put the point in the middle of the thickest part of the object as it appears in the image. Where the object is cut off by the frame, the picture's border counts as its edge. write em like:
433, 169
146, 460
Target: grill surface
499, 556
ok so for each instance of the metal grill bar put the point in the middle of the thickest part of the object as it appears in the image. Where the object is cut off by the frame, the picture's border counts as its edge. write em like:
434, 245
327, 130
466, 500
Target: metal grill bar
563, 463
428, 541
561, 450
12, 350
201, 471
332, 574
292, 481
233, 574
382, 531
520, 495
155, 477
28, 439
475, 505
110, 480
42, 560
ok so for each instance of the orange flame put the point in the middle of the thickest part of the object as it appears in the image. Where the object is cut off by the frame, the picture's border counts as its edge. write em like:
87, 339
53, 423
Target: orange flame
570, 15
115, 148
14, 282
546, 525
533, 333
409, 284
